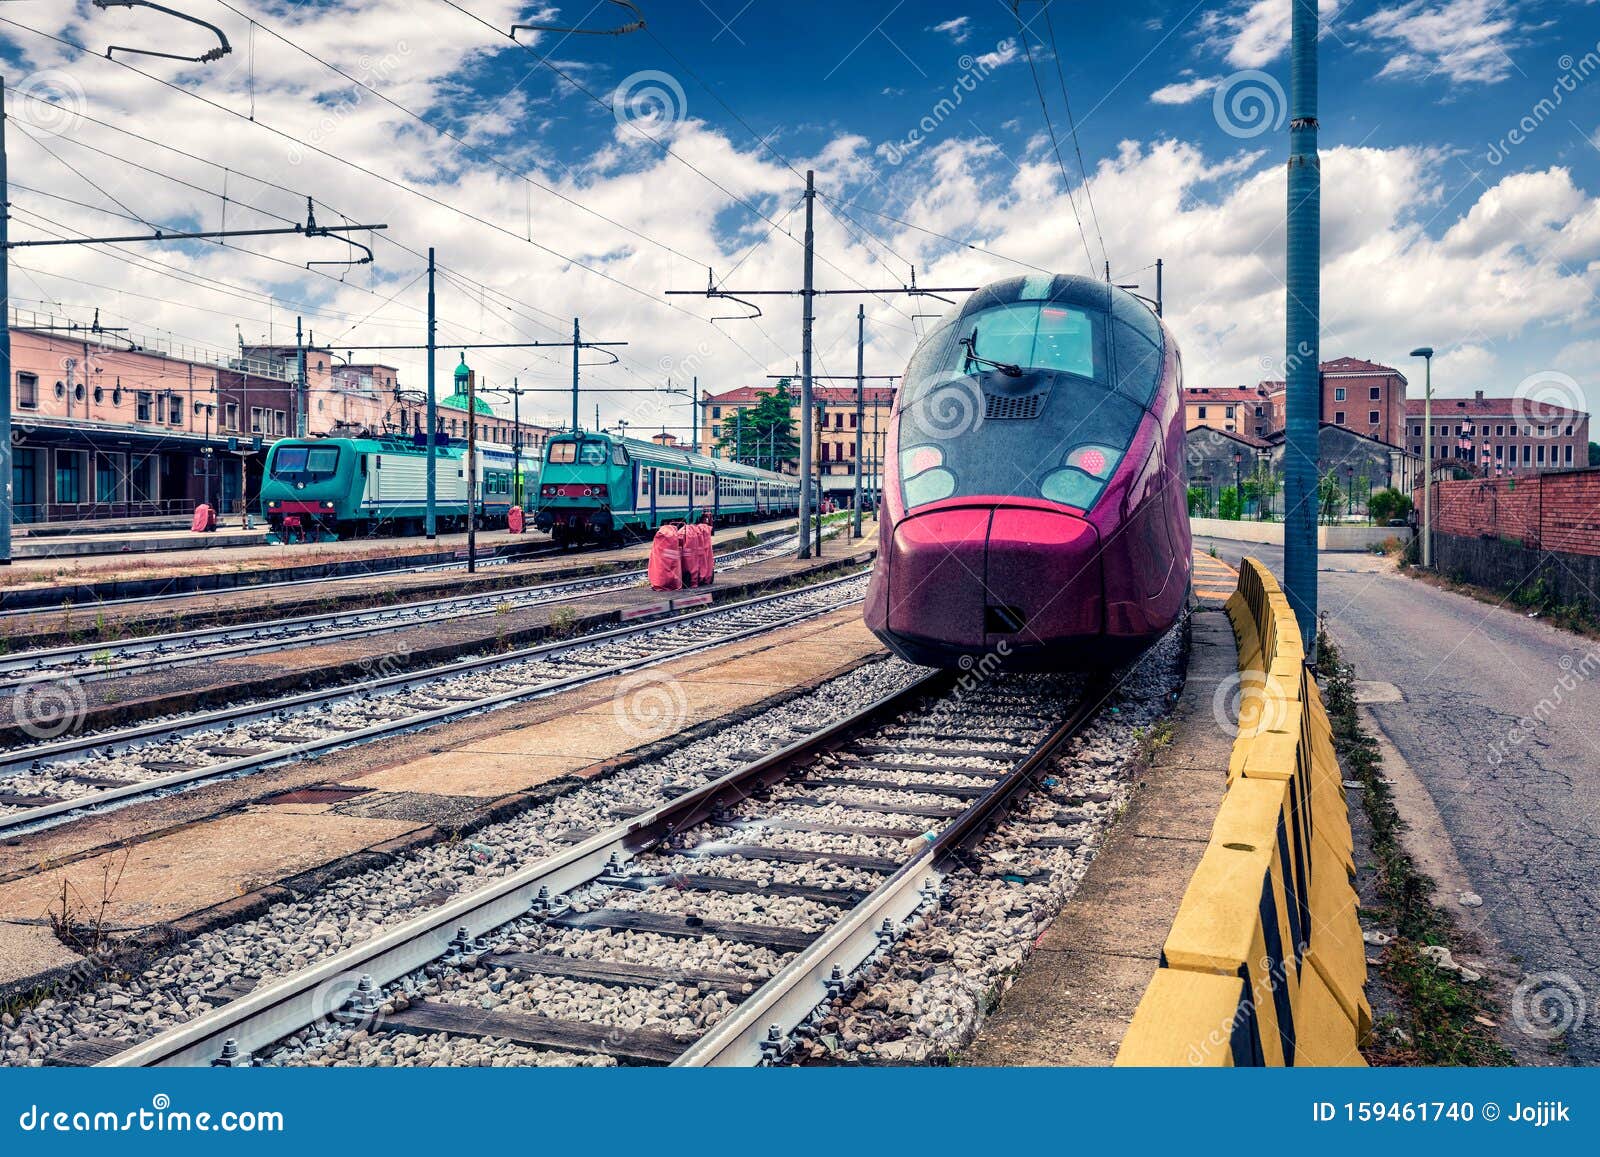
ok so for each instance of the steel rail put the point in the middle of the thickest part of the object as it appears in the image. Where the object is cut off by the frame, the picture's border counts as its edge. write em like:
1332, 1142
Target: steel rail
283, 1007
21, 761
755, 1032
25, 666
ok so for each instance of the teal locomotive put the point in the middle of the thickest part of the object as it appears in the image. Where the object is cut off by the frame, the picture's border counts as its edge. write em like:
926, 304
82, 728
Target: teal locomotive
596, 487
322, 489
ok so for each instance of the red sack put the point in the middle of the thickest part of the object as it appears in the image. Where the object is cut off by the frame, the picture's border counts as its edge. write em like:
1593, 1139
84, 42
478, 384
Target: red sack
205, 519
514, 520
665, 569
693, 563
710, 556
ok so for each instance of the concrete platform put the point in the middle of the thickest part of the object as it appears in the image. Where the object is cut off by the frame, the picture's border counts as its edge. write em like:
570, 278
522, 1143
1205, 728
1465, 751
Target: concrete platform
1079, 988
225, 850
133, 542
134, 698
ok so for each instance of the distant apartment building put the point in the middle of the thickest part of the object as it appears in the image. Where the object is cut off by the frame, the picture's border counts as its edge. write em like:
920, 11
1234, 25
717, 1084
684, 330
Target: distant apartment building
1364, 397
1501, 436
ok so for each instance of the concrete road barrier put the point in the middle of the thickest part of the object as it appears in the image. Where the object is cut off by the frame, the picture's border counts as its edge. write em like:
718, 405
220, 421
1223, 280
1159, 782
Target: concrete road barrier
1264, 964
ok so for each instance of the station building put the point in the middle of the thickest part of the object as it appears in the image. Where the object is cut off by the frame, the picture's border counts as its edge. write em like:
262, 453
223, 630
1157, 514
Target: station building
1496, 437
111, 426
836, 436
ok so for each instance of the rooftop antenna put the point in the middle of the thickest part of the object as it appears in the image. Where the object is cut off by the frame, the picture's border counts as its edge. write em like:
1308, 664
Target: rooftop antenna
222, 49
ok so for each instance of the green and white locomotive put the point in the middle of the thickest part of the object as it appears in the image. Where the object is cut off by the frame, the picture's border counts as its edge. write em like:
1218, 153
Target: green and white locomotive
321, 489
596, 487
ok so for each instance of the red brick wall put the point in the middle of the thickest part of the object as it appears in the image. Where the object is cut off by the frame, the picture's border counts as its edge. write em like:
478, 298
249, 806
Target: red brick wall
1547, 511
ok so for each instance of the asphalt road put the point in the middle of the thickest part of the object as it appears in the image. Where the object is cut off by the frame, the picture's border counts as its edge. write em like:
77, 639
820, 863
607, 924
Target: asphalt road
1523, 813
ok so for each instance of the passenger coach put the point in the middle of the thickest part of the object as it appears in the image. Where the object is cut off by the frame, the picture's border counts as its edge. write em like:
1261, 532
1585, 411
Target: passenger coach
595, 487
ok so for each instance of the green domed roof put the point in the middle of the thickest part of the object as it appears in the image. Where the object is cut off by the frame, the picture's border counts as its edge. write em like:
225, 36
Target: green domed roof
459, 402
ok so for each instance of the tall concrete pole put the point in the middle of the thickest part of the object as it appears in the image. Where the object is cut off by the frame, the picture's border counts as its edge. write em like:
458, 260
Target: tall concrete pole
1303, 353
808, 317
861, 381
301, 404
576, 346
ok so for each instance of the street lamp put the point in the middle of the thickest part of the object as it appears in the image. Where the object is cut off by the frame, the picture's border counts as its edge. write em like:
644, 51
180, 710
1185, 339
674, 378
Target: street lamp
1426, 354
1238, 484
1349, 489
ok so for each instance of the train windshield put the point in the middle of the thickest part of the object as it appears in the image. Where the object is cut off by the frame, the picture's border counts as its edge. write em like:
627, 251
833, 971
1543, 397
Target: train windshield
298, 461
1020, 400
587, 453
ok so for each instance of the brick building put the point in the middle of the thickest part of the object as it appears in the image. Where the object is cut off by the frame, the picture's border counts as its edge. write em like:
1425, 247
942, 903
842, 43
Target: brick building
1501, 436
1361, 396
836, 436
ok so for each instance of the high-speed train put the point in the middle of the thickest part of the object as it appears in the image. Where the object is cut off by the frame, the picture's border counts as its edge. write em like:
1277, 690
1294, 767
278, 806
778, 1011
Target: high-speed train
1034, 500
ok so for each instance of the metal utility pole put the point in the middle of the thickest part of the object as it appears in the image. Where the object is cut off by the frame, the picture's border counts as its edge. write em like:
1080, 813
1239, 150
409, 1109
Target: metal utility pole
1303, 353
694, 414
822, 450
472, 465
516, 440
808, 316
1426, 354
301, 417
861, 388
577, 346
6, 449
1159, 264
431, 523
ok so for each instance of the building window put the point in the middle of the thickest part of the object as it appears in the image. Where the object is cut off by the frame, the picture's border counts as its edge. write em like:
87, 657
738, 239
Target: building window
175, 410
1499, 431
1527, 454
141, 409
230, 415
99, 395
1338, 417
1569, 431
77, 392
107, 478
1227, 412
1375, 393
69, 476
28, 391
1569, 454
1541, 454
1499, 452
1338, 393
1374, 417
1417, 450
1202, 411
255, 420
280, 422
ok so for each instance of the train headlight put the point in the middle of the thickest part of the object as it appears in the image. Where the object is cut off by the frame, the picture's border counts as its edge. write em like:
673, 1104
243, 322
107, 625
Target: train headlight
1098, 461
920, 458
327, 506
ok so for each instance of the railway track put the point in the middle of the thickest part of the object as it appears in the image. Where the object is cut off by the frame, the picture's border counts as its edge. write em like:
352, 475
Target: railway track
94, 661
53, 781
713, 929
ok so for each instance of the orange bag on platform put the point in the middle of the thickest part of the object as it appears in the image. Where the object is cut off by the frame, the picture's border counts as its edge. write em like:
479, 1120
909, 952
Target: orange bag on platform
665, 569
514, 520
205, 519
710, 555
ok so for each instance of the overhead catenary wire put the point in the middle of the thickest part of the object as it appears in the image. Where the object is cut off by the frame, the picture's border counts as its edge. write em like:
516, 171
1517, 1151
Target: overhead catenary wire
1055, 141
1072, 128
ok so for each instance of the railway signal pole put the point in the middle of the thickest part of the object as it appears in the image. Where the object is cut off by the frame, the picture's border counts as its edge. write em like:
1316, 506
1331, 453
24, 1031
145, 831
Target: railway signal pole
861, 354
430, 521
1303, 357
808, 317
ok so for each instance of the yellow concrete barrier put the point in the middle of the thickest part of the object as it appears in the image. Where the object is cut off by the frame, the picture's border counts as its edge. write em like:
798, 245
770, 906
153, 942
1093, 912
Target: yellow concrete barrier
1264, 964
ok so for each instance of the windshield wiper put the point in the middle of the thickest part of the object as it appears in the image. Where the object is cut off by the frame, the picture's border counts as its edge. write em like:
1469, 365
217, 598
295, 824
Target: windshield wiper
1007, 368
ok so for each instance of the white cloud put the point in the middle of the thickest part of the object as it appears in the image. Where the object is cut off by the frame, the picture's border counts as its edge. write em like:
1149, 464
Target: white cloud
1253, 33
1467, 41
958, 30
1185, 91
1004, 53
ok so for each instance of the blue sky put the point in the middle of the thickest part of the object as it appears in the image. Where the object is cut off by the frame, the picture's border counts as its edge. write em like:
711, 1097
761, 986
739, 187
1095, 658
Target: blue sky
1459, 210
